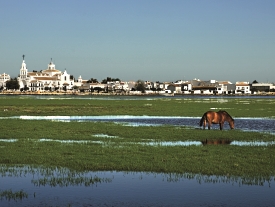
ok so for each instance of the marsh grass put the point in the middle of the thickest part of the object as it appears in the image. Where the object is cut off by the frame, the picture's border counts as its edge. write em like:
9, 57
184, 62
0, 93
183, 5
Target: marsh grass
10, 195
73, 179
64, 177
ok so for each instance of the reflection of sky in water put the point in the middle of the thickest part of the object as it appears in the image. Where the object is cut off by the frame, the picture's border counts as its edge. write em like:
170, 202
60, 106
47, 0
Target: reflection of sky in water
152, 143
145, 97
254, 143
61, 187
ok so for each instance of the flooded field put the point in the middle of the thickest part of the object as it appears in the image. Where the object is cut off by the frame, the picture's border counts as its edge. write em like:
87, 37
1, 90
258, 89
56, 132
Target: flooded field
28, 186
25, 186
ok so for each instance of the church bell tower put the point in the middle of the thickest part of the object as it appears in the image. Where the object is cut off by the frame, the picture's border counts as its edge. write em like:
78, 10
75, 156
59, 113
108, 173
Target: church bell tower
23, 70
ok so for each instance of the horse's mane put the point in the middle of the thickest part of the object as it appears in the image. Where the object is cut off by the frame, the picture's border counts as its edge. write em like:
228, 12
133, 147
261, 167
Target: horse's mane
222, 111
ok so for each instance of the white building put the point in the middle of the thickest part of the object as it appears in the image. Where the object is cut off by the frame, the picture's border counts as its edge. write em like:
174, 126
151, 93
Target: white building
262, 87
243, 87
174, 88
49, 79
117, 86
3, 79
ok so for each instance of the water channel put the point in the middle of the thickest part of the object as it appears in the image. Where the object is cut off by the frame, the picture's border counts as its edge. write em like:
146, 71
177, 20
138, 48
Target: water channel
245, 124
60, 187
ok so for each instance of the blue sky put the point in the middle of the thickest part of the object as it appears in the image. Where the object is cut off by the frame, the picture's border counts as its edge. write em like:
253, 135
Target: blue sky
156, 40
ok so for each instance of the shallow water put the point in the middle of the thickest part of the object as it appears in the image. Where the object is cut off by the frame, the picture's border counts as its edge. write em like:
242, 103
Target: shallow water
134, 97
246, 124
153, 143
60, 187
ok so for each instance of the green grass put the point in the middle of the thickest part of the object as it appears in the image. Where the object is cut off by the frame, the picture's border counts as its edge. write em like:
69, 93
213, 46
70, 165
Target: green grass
123, 150
244, 107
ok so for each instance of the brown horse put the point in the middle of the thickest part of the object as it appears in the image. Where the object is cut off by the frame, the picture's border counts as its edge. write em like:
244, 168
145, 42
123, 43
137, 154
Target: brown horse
212, 117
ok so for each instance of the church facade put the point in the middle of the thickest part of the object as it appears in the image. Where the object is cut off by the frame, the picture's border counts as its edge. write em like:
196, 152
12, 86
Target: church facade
49, 79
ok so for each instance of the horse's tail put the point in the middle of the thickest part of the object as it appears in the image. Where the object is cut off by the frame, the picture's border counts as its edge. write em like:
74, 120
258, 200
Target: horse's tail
202, 119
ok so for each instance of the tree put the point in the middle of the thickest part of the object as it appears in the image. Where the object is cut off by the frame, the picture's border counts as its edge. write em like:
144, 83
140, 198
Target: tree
98, 89
115, 79
26, 88
109, 79
92, 80
255, 81
140, 86
12, 84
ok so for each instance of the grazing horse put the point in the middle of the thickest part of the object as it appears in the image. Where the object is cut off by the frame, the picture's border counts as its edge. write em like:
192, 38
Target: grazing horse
212, 117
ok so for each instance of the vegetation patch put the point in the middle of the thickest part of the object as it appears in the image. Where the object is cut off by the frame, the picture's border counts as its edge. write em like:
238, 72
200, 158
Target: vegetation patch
13, 195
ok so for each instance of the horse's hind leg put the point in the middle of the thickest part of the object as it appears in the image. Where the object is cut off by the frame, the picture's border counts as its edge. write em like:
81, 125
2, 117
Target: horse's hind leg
209, 125
204, 124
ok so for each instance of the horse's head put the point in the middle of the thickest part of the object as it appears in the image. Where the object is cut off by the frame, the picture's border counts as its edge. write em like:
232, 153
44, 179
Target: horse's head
231, 124
228, 118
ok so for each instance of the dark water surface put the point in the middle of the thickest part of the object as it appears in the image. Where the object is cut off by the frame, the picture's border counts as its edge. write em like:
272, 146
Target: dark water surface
55, 188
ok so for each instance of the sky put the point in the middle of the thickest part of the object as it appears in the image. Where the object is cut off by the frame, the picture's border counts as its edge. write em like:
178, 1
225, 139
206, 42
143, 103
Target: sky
150, 40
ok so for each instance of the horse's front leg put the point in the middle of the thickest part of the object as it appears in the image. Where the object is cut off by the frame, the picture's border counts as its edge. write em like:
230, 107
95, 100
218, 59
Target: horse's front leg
221, 126
209, 125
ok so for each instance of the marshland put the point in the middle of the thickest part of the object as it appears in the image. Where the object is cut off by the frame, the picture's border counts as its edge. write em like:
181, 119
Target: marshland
87, 149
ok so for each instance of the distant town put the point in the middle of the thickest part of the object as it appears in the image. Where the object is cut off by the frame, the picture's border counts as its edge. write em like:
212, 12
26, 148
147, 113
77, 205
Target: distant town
54, 81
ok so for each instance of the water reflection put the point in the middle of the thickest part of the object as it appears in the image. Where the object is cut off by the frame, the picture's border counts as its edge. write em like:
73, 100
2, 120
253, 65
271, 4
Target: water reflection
63, 181
11, 195
62, 187
216, 142
177, 143
246, 124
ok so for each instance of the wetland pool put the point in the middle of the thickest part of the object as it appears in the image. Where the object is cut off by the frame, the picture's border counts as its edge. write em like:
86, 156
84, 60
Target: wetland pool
60, 187
245, 124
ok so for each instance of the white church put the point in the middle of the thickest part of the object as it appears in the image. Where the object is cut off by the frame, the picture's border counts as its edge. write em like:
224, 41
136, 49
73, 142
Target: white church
49, 79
